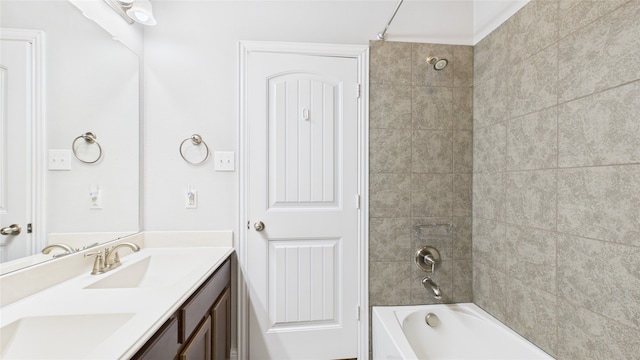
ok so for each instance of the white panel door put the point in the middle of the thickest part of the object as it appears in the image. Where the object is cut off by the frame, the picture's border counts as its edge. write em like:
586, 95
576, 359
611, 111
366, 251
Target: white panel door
302, 176
15, 112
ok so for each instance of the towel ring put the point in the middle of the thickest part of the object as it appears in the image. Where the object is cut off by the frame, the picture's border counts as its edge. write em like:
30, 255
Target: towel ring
89, 138
195, 140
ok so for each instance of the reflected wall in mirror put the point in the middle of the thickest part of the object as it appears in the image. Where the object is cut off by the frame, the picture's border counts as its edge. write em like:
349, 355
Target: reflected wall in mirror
90, 84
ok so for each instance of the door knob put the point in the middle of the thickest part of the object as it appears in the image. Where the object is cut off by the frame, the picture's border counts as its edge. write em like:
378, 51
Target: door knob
259, 226
14, 229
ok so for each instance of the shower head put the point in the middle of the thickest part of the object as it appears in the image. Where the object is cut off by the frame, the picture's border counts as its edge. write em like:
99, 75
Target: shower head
438, 64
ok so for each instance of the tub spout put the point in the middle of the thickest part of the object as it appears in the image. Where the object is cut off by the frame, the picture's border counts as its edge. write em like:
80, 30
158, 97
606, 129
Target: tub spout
429, 284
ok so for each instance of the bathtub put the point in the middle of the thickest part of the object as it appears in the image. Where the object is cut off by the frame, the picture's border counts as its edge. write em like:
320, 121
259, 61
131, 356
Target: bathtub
464, 332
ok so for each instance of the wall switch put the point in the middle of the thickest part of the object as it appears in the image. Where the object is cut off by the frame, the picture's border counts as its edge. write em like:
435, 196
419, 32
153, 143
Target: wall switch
224, 161
95, 197
59, 159
191, 198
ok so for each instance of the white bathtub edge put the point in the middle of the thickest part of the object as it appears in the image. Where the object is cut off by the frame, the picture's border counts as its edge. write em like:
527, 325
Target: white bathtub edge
389, 341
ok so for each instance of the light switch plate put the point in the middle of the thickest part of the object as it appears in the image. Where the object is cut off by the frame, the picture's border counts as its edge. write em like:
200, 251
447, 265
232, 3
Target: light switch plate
59, 159
224, 160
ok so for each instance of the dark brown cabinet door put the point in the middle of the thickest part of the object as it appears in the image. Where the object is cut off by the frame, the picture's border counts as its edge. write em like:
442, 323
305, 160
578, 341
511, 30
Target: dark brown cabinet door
221, 336
199, 346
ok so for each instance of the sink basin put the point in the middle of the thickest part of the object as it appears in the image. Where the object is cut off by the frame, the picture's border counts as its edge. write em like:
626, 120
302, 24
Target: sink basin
58, 337
156, 270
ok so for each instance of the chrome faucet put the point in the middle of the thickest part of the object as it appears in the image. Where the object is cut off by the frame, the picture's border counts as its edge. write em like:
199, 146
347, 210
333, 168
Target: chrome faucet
429, 284
110, 259
67, 249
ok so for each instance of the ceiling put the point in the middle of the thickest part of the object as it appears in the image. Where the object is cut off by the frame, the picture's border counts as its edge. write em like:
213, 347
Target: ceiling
456, 22
460, 22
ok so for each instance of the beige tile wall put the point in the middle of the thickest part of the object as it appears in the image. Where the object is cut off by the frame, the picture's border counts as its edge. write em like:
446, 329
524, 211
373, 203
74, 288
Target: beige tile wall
420, 169
556, 178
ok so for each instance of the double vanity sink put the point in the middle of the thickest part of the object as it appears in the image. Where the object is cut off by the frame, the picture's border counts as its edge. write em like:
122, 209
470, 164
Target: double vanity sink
109, 315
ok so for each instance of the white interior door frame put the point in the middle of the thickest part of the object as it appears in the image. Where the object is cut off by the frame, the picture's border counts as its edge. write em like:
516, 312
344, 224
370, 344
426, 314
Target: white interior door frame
36, 128
361, 54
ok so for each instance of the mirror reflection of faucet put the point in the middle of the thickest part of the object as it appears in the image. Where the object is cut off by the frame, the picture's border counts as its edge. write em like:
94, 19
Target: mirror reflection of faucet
67, 249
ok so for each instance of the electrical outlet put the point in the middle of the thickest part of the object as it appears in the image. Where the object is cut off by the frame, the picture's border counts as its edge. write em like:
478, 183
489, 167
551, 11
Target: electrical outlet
59, 159
191, 199
224, 161
95, 197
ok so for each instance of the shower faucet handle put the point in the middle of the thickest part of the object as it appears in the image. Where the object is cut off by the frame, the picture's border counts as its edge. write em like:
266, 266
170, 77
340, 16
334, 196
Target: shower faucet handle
427, 258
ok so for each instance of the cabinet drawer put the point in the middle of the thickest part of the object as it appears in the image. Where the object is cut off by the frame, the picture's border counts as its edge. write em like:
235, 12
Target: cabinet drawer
198, 305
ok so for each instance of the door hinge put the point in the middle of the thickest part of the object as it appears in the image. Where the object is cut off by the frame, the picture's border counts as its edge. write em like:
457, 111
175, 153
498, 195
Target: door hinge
358, 91
358, 312
358, 201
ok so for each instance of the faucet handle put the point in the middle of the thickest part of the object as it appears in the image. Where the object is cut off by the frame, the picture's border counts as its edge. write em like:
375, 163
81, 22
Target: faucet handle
98, 264
427, 259
116, 260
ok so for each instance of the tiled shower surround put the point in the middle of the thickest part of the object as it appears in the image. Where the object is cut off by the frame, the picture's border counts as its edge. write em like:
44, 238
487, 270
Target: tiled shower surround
420, 169
556, 180
556, 174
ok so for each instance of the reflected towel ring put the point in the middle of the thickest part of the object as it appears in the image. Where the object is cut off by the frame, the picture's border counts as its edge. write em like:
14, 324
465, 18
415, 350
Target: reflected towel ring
195, 140
89, 138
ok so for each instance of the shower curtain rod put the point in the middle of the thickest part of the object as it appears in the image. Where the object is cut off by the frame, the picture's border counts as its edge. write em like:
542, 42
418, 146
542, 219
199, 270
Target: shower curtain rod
383, 33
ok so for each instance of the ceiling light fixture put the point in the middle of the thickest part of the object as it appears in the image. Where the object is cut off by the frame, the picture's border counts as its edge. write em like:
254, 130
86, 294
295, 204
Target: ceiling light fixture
139, 11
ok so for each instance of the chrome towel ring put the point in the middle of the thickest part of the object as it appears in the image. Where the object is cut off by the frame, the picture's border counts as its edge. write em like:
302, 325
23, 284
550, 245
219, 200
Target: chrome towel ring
197, 141
89, 138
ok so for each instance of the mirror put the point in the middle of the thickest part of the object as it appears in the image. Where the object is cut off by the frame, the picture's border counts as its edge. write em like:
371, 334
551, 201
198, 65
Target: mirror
91, 84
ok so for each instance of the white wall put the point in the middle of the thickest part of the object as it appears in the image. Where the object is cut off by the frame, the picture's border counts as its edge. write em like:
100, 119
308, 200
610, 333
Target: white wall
191, 86
191, 82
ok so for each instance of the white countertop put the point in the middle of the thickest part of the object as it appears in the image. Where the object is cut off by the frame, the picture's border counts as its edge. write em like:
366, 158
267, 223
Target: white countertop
131, 315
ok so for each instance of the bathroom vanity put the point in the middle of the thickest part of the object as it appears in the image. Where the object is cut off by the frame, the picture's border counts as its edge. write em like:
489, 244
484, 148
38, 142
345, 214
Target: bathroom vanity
200, 328
171, 299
